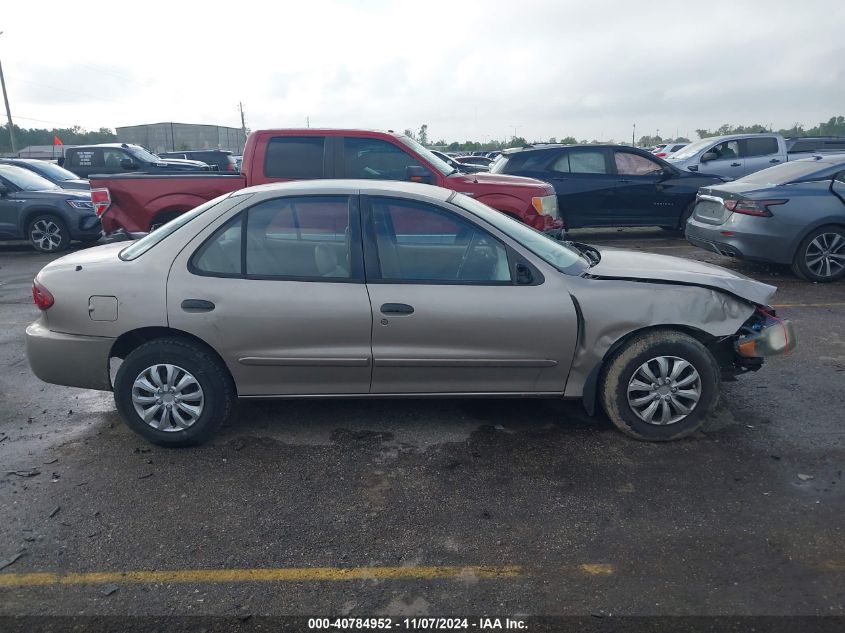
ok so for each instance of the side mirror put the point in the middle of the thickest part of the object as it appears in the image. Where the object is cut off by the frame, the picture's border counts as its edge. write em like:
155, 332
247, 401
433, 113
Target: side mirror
524, 277
127, 163
60, 161
3, 189
415, 173
707, 156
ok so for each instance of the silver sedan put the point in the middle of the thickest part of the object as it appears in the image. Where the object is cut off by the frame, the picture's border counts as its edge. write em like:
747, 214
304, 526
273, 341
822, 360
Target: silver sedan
790, 214
385, 289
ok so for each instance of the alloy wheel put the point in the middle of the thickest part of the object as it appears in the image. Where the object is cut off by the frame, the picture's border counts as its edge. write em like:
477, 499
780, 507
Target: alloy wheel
825, 255
167, 397
47, 234
664, 390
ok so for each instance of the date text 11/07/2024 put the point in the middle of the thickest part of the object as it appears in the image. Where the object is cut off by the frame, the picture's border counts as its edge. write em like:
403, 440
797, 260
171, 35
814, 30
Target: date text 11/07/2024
429, 624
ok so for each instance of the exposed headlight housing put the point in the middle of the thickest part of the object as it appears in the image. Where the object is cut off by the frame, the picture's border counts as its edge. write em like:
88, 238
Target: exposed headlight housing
82, 205
545, 205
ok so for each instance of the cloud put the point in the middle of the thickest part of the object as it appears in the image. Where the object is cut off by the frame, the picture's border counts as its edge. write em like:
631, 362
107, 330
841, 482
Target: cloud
474, 69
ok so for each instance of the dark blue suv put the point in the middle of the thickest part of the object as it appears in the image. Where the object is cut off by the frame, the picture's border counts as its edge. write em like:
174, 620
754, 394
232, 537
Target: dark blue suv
609, 185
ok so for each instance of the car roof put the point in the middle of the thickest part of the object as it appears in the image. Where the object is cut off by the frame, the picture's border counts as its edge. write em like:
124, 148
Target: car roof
349, 187
197, 151
543, 146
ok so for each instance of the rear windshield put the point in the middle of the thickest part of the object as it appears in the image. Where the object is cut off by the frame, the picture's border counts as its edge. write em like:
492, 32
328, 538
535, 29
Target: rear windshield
25, 180
52, 171
144, 244
792, 171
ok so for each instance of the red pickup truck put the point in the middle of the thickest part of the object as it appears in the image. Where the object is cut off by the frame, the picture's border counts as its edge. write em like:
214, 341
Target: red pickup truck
138, 202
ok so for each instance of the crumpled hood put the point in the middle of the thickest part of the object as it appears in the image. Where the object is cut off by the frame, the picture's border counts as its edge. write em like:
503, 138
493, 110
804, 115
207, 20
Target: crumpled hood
624, 264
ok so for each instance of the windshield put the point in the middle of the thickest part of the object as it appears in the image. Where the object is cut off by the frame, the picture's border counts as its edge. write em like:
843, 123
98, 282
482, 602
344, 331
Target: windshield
692, 149
26, 180
436, 162
550, 250
141, 246
141, 154
53, 172
796, 170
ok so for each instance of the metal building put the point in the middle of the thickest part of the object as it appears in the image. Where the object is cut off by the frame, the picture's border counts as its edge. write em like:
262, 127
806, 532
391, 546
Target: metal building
169, 137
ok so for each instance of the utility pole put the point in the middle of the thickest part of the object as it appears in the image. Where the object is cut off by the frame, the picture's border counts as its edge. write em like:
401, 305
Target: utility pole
634, 136
243, 121
8, 110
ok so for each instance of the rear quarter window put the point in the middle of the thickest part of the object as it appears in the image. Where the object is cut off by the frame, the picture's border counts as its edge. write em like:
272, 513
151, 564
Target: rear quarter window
761, 146
297, 157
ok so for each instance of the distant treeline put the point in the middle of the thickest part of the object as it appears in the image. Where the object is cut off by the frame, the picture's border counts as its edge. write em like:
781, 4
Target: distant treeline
76, 135
68, 135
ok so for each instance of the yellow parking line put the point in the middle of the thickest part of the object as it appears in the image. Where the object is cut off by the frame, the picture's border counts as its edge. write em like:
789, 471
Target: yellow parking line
282, 574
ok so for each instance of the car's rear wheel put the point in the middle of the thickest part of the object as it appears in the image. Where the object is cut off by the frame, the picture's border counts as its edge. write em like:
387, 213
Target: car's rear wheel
173, 392
821, 255
659, 386
48, 234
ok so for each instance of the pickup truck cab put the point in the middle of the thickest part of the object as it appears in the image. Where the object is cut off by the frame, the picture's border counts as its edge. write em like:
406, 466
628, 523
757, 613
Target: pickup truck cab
118, 158
137, 202
734, 155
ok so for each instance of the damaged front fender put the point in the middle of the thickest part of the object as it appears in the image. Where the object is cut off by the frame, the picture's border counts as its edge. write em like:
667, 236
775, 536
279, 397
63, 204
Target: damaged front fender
610, 310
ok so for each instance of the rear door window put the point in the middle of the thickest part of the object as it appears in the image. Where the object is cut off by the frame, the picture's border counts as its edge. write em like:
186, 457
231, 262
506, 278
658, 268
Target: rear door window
86, 158
295, 157
760, 146
581, 162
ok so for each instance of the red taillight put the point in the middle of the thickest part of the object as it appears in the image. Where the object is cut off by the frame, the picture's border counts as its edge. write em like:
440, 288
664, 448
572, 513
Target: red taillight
661, 155
43, 298
101, 199
759, 208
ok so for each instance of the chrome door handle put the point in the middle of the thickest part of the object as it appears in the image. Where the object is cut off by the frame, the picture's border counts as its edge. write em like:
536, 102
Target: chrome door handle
397, 308
774, 160
735, 164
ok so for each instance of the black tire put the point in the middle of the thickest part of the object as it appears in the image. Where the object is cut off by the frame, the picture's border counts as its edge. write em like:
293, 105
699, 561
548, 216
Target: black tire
621, 368
682, 222
164, 218
218, 390
810, 246
48, 233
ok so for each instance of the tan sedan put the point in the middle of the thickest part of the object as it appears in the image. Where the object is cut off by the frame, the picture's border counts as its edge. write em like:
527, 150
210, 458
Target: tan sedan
385, 289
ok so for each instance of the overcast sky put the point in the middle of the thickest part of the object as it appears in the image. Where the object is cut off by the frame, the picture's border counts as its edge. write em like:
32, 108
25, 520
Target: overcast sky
470, 70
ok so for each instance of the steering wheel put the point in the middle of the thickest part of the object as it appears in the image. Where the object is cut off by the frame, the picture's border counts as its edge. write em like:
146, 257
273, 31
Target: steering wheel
465, 255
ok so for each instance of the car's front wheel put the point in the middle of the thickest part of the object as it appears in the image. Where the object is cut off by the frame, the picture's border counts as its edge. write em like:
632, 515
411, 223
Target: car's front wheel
48, 234
173, 392
821, 255
659, 386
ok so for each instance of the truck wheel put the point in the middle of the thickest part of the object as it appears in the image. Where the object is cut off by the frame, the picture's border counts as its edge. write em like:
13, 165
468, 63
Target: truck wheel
821, 255
659, 386
173, 392
164, 218
48, 234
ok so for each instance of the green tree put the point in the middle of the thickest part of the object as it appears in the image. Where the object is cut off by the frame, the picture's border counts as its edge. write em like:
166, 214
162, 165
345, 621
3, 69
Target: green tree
423, 135
569, 140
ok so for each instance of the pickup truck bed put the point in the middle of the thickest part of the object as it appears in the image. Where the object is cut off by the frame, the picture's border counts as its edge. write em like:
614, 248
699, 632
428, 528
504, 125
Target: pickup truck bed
137, 197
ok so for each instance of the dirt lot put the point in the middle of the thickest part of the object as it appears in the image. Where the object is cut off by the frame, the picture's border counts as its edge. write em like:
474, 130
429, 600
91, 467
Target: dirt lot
433, 507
